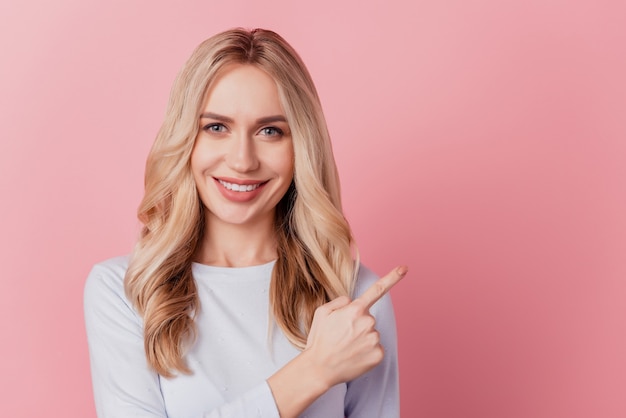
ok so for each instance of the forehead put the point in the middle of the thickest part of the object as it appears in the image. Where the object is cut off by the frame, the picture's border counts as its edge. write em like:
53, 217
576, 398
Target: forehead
243, 90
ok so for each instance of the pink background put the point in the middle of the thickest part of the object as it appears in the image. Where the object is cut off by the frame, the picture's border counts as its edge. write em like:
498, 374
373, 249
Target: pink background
481, 142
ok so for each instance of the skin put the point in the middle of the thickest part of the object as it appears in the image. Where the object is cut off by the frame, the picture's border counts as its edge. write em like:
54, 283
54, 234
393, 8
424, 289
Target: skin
244, 139
343, 344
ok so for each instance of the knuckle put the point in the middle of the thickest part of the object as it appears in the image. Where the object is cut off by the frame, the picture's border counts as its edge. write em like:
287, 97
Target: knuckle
379, 288
358, 303
354, 310
379, 353
321, 311
375, 337
343, 300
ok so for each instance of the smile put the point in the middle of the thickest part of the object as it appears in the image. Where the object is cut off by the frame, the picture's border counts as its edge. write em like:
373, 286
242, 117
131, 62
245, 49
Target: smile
239, 187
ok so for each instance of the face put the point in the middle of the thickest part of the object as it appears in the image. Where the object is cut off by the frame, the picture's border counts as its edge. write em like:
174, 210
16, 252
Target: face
242, 161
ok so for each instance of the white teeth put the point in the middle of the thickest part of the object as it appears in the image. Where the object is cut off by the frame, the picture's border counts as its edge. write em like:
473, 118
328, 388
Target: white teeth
239, 187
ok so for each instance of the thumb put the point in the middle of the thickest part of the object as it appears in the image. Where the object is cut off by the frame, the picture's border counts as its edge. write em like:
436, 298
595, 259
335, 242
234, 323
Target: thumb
326, 309
335, 304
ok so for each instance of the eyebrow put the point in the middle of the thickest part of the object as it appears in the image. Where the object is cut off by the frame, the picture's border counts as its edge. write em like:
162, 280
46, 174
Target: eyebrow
260, 121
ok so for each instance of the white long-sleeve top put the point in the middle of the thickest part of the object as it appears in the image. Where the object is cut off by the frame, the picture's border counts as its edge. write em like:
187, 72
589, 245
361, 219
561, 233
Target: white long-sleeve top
237, 349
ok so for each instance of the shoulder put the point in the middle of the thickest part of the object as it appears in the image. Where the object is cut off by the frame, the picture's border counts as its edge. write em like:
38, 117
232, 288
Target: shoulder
376, 393
104, 288
365, 279
107, 274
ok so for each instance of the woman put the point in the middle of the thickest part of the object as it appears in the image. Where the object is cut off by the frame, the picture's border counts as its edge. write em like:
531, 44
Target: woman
235, 301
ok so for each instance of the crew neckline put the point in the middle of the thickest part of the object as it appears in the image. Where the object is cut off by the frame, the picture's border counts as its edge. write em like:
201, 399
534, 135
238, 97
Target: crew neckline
204, 271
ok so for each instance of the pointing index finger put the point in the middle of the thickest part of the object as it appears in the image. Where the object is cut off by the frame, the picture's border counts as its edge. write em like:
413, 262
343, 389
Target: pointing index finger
382, 286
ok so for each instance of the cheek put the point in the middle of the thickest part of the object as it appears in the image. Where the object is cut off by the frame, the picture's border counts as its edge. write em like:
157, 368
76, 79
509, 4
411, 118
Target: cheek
277, 160
287, 169
200, 172
200, 161
195, 156
196, 171
288, 162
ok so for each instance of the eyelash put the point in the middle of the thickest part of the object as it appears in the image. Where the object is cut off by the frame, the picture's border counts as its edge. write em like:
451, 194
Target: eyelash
278, 131
210, 128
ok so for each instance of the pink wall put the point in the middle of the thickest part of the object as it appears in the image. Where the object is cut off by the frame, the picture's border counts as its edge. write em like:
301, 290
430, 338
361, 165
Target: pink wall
481, 142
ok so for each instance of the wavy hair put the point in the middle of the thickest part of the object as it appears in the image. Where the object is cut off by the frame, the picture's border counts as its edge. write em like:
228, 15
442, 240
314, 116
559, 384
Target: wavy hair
316, 256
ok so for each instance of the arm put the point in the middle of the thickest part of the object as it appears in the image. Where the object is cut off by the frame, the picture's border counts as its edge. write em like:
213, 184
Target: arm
123, 384
376, 393
344, 346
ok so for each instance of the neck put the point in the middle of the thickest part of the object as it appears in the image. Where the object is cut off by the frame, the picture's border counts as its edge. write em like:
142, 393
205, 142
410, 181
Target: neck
228, 245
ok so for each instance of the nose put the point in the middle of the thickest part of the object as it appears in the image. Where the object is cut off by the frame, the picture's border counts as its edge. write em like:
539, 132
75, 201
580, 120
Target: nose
242, 155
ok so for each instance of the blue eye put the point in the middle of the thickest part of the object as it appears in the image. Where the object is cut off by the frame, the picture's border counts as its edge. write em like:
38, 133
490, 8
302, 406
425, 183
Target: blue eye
271, 131
214, 127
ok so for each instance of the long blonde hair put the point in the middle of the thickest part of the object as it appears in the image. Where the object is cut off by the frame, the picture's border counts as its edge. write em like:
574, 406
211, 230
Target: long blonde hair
315, 247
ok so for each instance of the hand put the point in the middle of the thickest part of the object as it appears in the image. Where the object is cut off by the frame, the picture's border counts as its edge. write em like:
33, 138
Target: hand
343, 342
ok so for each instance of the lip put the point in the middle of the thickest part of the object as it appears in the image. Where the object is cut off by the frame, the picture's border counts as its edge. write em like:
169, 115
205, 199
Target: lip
240, 181
239, 197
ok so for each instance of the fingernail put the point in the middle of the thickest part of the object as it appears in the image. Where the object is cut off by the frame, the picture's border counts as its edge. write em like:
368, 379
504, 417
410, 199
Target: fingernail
402, 270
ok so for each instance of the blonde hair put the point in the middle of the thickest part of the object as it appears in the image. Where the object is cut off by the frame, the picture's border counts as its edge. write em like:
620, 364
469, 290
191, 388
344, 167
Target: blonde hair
315, 247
